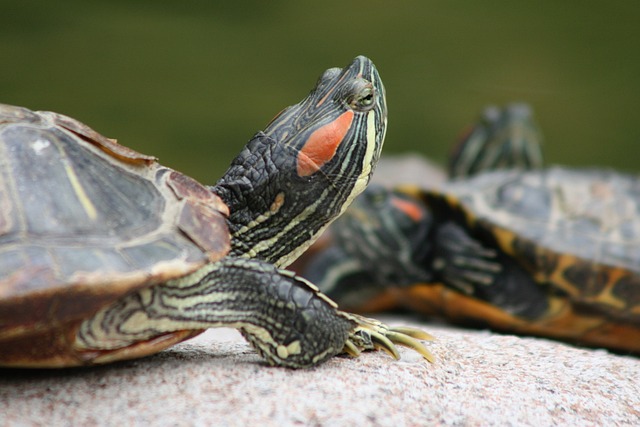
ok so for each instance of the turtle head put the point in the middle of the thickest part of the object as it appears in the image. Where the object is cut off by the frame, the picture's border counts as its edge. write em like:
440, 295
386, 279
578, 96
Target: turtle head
503, 138
299, 174
382, 241
341, 123
388, 232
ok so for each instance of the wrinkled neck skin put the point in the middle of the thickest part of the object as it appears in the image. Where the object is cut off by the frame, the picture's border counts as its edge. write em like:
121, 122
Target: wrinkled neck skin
274, 213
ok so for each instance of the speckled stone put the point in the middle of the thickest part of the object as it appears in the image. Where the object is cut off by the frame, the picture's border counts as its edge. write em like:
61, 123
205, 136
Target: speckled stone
479, 379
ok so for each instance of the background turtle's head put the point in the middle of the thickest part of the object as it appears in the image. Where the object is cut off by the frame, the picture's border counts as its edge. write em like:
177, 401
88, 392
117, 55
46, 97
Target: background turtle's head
387, 231
381, 241
306, 167
503, 138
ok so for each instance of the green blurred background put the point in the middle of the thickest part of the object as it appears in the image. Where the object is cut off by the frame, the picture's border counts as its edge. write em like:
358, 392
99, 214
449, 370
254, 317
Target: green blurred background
191, 81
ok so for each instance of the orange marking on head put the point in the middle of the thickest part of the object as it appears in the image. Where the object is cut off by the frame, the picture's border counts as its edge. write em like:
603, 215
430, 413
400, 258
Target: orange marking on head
322, 144
412, 210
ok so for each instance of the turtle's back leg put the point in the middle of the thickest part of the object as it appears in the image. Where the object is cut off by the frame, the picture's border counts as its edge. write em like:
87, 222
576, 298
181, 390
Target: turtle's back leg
284, 317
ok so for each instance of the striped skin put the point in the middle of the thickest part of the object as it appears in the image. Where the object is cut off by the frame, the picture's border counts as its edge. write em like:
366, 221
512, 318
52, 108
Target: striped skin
284, 188
297, 188
230, 293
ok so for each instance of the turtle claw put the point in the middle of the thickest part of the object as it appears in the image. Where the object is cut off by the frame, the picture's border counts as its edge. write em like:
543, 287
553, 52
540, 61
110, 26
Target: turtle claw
371, 334
351, 349
381, 342
407, 340
413, 333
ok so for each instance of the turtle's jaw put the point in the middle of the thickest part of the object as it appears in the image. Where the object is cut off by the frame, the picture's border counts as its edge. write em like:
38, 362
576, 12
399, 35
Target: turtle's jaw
292, 180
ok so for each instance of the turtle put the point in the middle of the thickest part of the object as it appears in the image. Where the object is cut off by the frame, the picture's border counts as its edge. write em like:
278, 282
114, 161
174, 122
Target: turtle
502, 138
107, 255
533, 250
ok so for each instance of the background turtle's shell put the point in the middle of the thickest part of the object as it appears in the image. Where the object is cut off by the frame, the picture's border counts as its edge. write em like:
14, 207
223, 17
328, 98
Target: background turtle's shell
577, 230
84, 220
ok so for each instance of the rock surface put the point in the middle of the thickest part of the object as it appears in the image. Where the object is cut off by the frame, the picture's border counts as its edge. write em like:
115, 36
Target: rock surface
408, 169
479, 378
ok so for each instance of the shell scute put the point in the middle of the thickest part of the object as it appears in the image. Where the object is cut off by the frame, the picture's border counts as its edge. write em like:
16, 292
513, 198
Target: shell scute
84, 220
575, 230
591, 214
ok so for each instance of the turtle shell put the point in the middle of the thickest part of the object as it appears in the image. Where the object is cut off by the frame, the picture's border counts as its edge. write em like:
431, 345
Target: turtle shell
575, 231
83, 221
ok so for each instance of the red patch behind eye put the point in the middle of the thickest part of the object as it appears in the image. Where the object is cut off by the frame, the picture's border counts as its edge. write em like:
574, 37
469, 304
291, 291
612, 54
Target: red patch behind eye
322, 144
412, 210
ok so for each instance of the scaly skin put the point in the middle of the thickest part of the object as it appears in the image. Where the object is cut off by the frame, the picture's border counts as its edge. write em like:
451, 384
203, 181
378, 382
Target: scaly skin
288, 184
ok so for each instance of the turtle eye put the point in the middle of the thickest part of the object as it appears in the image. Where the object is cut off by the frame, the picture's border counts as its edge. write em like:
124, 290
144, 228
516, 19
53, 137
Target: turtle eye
363, 99
376, 196
379, 199
359, 95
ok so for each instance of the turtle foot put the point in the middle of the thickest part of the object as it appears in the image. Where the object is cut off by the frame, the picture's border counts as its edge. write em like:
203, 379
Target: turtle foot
371, 334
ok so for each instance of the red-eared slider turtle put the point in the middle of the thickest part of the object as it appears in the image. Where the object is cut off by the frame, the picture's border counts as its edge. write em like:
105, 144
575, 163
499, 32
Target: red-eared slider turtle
107, 255
551, 252
503, 138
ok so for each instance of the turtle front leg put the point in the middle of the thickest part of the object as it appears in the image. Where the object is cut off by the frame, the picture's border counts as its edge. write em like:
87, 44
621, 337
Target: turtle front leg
286, 318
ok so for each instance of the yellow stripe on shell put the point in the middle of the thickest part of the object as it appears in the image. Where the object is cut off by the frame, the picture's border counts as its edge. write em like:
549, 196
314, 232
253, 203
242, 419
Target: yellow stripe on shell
84, 200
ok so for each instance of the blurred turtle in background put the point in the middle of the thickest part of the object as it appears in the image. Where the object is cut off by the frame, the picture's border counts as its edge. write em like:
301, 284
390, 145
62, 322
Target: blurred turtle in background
505, 243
